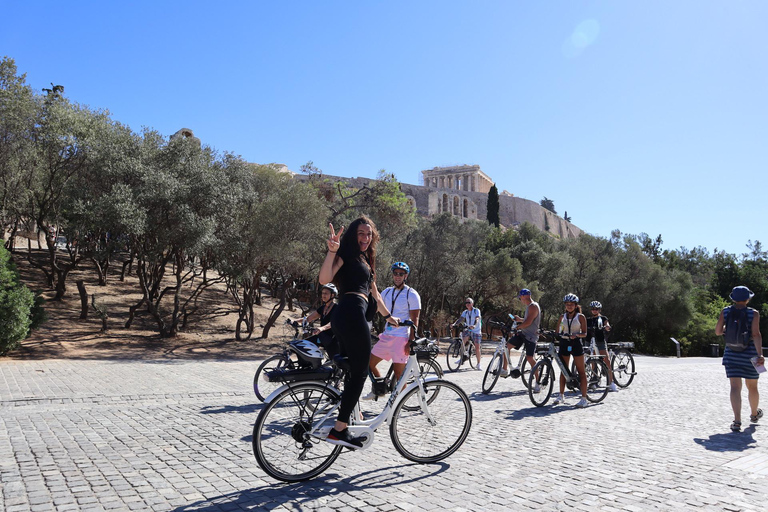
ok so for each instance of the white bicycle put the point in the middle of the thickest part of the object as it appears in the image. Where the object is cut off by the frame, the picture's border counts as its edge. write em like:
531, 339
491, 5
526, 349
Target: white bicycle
501, 355
428, 418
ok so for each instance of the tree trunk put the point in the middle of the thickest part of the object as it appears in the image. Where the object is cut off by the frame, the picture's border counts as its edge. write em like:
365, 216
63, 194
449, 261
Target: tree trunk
277, 310
132, 313
83, 299
126, 264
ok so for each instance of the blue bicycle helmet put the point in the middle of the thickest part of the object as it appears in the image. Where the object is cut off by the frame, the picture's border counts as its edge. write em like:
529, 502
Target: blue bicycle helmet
402, 266
571, 298
595, 304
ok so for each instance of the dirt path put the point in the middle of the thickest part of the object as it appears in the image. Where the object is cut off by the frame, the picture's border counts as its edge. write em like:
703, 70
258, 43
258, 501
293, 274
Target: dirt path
210, 333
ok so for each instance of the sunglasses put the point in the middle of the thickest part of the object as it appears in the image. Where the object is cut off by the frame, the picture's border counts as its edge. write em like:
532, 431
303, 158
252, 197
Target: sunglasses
399, 274
467, 303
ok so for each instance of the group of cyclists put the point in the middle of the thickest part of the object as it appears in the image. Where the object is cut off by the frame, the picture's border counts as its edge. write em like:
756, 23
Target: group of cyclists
348, 274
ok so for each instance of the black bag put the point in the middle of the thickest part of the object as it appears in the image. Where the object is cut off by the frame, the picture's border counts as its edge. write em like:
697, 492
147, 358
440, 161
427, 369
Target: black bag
738, 327
370, 311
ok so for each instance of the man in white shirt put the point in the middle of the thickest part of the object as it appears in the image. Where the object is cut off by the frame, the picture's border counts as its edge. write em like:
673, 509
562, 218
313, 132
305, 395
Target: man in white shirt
472, 319
403, 302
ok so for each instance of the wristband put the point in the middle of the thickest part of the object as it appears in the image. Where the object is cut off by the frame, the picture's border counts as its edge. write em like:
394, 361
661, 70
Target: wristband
388, 316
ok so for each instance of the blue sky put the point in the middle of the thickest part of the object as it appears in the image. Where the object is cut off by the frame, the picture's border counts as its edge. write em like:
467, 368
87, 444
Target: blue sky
644, 116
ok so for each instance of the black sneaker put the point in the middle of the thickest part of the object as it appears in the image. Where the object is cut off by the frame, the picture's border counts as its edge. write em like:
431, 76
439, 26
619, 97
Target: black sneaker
343, 438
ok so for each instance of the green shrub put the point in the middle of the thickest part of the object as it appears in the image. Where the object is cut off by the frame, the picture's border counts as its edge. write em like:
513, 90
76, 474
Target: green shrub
17, 303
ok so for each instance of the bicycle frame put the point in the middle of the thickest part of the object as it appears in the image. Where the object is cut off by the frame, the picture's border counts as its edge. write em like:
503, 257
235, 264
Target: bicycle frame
552, 355
366, 428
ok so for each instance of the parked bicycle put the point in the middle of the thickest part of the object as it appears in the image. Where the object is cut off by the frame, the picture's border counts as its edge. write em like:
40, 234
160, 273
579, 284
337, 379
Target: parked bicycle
620, 357
428, 419
459, 351
542, 377
622, 362
501, 356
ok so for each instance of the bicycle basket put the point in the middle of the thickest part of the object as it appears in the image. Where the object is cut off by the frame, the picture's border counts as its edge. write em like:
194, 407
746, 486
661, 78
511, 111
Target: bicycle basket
427, 352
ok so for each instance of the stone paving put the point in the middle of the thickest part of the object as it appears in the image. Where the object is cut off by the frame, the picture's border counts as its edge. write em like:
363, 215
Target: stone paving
117, 435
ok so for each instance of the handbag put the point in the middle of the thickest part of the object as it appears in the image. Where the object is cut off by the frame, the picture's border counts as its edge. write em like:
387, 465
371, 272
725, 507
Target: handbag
370, 311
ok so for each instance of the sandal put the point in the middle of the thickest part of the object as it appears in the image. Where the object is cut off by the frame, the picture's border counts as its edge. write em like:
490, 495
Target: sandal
736, 426
755, 417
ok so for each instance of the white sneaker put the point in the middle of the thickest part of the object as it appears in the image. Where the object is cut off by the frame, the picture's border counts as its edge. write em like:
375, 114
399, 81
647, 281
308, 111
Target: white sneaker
503, 373
478, 368
369, 396
559, 399
613, 387
457, 362
537, 388
582, 403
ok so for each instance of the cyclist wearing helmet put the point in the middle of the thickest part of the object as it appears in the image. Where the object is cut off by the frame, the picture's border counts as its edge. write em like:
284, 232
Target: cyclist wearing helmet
351, 265
527, 331
472, 319
573, 327
597, 326
403, 302
323, 335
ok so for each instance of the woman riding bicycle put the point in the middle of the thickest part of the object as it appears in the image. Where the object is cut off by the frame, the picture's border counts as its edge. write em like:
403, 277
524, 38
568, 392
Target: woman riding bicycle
351, 265
323, 335
597, 326
573, 327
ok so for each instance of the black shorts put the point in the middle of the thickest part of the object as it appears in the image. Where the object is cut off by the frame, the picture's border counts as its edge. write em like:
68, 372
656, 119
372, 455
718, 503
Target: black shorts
518, 340
571, 347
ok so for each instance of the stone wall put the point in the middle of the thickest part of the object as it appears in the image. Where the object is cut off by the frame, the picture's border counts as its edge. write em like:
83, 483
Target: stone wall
513, 210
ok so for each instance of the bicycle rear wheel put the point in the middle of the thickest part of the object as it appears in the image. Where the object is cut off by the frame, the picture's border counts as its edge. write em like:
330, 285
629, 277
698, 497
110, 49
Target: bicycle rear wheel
540, 383
262, 387
492, 373
282, 443
471, 354
623, 366
597, 379
454, 356
431, 432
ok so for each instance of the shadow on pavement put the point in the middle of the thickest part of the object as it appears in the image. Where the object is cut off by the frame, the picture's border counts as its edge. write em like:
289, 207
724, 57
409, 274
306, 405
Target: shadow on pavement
729, 442
496, 395
324, 486
242, 409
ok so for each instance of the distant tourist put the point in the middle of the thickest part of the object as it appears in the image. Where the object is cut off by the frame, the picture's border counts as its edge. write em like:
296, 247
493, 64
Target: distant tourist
743, 351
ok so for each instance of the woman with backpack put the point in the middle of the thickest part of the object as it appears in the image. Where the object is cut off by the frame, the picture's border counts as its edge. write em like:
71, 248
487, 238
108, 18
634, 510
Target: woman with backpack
743, 344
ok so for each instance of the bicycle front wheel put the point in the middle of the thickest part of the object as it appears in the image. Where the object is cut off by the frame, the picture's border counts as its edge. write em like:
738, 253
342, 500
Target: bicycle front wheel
262, 387
429, 368
282, 440
597, 379
492, 373
540, 383
525, 370
623, 365
454, 355
424, 432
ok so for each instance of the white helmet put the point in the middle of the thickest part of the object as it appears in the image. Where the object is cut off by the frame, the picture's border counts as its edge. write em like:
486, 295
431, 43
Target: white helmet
571, 298
595, 304
308, 353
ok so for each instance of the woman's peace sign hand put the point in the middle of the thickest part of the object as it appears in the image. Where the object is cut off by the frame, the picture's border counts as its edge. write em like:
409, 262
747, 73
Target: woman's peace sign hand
333, 240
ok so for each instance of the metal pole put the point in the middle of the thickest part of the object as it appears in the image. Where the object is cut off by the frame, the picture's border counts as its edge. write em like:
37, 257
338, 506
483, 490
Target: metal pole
677, 345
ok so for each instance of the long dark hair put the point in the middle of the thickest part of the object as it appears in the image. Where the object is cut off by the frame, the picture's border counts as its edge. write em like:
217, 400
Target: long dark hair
349, 249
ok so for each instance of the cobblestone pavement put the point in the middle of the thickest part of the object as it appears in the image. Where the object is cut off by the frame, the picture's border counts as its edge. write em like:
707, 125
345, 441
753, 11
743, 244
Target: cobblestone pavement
96, 435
